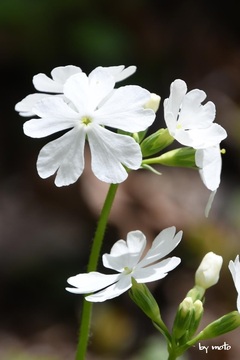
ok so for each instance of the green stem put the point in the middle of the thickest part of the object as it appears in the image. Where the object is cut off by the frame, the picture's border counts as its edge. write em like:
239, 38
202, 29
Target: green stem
92, 266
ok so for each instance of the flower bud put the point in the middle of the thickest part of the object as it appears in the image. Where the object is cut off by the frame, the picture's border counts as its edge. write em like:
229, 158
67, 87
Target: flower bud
208, 271
156, 142
183, 318
153, 102
184, 157
141, 295
226, 323
197, 316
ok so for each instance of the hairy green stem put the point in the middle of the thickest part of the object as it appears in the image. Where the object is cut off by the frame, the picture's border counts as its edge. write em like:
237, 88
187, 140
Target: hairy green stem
92, 266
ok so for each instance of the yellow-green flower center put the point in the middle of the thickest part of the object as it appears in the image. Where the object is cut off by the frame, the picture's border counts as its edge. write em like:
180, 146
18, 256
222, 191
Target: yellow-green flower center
127, 270
86, 120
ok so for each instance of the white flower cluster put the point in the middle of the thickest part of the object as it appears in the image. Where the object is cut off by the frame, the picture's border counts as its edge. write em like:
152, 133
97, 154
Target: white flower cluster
87, 107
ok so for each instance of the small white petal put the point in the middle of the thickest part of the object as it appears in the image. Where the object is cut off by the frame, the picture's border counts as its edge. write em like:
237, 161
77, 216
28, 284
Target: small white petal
126, 253
59, 76
64, 156
122, 285
172, 105
162, 245
193, 115
109, 151
209, 161
56, 116
87, 92
93, 281
201, 138
125, 110
156, 271
25, 106
101, 84
120, 73
42, 82
234, 268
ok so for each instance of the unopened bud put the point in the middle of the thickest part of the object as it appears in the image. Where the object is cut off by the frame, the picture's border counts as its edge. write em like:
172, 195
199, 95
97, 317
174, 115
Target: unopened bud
153, 102
208, 272
221, 326
156, 142
183, 318
141, 295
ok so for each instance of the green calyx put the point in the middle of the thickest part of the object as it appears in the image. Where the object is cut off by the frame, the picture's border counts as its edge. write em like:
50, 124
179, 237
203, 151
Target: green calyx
156, 142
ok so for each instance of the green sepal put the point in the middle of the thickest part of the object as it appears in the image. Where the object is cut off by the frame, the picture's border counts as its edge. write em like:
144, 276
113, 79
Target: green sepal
226, 323
150, 168
144, 299
181, 157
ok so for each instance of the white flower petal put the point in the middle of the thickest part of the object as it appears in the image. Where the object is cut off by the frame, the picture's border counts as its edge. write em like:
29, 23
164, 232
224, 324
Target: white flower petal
201, 138
125, 109
156, 271
193, 115
44, 83
56, 116
64, 155
234, 268
162, 245
93, 281
122, 285
120, 72
109, 151
59, 76
101, 85
126, 253
172, 105
76, 89
25, 106
87, 92
209, 162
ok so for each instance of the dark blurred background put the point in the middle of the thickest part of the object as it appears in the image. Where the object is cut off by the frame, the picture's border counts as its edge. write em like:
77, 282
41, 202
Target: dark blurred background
46, 232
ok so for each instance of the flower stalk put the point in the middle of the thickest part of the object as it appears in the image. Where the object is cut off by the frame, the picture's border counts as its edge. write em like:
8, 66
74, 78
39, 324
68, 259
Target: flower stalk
92, 265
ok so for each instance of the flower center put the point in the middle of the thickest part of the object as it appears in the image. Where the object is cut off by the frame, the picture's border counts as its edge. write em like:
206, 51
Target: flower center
127, 270
86, 120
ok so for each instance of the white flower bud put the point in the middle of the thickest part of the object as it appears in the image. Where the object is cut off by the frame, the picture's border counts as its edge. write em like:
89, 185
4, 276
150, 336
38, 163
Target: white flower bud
208, 272
153, 102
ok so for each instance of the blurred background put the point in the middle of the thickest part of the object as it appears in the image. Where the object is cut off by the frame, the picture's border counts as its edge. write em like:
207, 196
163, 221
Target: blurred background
46, 232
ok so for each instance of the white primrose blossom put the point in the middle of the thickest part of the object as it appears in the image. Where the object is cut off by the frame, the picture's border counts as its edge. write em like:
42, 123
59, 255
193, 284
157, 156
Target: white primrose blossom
90, 104
126, 258
234, 267
190, 122
55, 84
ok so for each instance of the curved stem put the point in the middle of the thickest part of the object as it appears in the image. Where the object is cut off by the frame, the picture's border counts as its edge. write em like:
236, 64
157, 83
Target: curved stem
92, 266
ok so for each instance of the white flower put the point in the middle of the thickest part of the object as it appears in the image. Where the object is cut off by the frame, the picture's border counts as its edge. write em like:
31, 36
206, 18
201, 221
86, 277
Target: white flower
209, 161
234, 268
126, 258
190, 122
55, 84
208, 271
88, 106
